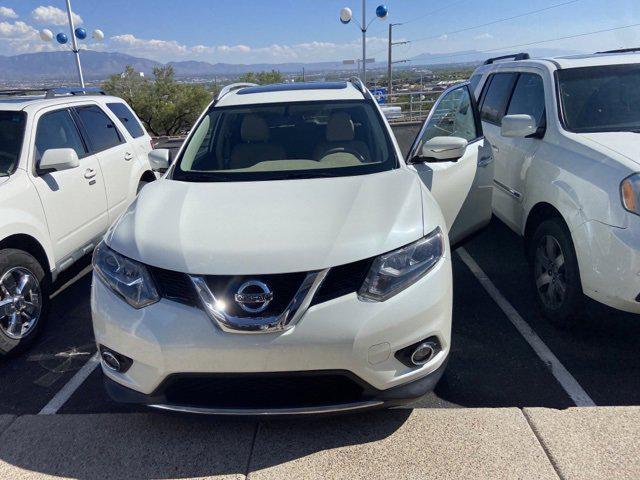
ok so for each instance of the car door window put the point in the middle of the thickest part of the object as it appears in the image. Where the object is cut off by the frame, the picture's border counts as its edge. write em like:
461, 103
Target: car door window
453, 116
58, 130
497, 97
528, 97
100, 130
128, 118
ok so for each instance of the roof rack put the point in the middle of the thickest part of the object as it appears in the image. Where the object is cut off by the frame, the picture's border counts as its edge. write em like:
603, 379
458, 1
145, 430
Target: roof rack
52, 92
515, 57
621, 50
359, 84
232, 87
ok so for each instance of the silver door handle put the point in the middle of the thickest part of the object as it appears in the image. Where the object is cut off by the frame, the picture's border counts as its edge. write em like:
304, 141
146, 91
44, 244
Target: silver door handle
495, 148
128, 156
89, 173
484, 161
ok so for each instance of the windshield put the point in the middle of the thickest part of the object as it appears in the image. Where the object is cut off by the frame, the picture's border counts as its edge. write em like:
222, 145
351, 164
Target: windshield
11, 134
600, 99
283, 141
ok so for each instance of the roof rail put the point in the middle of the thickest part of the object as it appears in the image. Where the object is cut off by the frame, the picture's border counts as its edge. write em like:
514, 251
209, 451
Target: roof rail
621, 50
358, 83
515, 57
52, 92
232, 87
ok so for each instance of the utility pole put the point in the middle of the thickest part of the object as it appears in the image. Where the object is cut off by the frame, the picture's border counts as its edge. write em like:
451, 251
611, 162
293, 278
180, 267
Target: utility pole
364, 42
303, 76
390, 61
74, 44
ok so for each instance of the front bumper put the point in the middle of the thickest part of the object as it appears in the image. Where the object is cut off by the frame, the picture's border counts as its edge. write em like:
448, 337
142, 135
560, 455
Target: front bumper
169, 339
609, 260
369, 397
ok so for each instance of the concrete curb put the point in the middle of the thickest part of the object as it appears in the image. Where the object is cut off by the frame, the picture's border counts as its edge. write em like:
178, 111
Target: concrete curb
590, 443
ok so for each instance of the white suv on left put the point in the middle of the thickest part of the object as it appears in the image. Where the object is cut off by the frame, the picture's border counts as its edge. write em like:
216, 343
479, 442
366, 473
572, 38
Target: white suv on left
291, 260
70, 164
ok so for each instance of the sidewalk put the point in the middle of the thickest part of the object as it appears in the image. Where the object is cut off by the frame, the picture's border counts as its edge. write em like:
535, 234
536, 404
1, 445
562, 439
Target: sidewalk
533, 443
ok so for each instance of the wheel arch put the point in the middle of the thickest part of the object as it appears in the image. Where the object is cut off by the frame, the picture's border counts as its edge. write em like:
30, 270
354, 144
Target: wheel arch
32, 246
538, 214
147, 176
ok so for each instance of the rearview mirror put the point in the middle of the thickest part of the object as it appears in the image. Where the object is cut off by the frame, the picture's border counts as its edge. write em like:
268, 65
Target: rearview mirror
518, 126
442, 149
58, 159
159, 159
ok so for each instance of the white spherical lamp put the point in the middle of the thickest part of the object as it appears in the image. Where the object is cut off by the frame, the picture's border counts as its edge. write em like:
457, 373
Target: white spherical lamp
46, 35
345, 15
98, 35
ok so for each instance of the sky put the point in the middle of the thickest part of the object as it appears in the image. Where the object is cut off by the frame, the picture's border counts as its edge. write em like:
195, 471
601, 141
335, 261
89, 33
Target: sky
278, 31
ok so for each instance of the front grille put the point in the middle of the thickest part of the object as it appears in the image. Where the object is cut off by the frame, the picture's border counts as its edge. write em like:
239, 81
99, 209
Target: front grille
282, 390
175, 286
343, 280
284, 286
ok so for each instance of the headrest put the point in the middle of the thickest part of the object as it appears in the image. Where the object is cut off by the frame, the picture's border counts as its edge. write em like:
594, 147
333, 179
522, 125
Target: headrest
340, 128
254, 129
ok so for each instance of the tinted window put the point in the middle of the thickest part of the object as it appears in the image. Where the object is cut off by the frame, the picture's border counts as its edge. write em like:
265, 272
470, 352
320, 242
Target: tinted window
452, 117
287, 141
128, 119
101, 131
11, 134
528, 97
497, 96
601, 99
58, 130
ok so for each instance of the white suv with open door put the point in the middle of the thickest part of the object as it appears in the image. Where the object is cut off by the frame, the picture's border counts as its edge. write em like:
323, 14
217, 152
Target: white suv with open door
565, 134
291, 261
70, 164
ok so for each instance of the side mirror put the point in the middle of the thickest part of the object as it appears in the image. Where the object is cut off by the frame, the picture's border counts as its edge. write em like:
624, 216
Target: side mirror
518, 126
159, 159
442, 149
58, 159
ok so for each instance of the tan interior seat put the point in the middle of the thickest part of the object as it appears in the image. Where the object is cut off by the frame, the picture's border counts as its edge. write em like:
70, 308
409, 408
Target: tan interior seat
255, 146
340, 134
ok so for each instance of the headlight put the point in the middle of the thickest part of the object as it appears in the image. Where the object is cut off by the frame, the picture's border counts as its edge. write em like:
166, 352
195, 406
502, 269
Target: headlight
124, 276
394, 271
630, 193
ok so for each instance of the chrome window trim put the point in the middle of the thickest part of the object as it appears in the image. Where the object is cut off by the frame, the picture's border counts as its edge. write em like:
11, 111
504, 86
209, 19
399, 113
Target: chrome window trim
291, 315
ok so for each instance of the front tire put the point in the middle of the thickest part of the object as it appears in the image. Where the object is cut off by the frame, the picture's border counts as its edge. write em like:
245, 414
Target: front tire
555, 272
24, 300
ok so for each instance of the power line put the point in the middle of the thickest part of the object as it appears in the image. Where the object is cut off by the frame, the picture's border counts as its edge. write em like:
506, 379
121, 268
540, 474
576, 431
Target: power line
566, 37
433, 12
525, 14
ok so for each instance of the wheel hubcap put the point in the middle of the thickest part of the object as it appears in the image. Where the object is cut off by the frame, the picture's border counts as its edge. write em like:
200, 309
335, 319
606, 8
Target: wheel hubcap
20, 302
550, 272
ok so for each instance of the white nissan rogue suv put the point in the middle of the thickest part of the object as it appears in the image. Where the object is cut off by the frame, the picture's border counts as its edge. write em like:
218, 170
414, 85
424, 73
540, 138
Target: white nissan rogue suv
565, 134
71, 161
290, 261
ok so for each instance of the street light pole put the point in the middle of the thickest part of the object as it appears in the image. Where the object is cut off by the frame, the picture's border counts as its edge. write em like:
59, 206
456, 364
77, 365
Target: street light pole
74, 44
364, 41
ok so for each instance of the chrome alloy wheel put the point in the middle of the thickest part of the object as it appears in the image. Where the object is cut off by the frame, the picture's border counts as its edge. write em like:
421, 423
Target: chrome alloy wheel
20, 302
550, 272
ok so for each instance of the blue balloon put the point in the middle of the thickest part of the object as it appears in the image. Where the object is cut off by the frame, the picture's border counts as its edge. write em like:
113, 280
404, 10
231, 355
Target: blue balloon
62, 38
382, 11
81, 33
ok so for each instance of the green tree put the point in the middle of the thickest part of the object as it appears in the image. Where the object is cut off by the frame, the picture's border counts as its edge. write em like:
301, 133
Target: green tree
165, 106
262, 78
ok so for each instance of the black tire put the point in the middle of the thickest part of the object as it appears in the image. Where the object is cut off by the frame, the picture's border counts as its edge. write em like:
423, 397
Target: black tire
10, 259
554, 272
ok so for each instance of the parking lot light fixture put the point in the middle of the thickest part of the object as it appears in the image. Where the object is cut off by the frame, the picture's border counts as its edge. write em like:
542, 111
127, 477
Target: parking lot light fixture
346, 15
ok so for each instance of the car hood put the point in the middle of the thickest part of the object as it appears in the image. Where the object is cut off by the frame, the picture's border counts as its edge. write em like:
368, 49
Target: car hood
626, 144
269, 226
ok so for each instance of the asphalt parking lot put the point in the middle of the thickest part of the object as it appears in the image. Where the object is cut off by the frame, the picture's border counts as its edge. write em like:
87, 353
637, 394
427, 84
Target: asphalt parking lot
500, 355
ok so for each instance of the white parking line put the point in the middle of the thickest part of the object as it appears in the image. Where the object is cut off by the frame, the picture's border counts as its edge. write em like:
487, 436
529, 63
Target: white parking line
71, 386
562, 375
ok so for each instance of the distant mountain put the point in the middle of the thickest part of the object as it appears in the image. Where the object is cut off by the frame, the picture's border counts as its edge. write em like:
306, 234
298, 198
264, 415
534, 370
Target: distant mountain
61, 65
99, 65
474, 56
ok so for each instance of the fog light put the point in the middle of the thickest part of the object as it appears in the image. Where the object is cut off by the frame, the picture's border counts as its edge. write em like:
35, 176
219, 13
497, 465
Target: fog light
419, 353
114, 361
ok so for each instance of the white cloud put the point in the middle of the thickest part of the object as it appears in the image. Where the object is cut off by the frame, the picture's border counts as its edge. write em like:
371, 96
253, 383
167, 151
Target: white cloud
53, 16
7, 12
443, 37
17, 30
483, 36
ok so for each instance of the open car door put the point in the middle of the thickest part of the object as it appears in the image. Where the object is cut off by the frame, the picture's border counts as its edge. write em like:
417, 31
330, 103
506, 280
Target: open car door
455, 162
